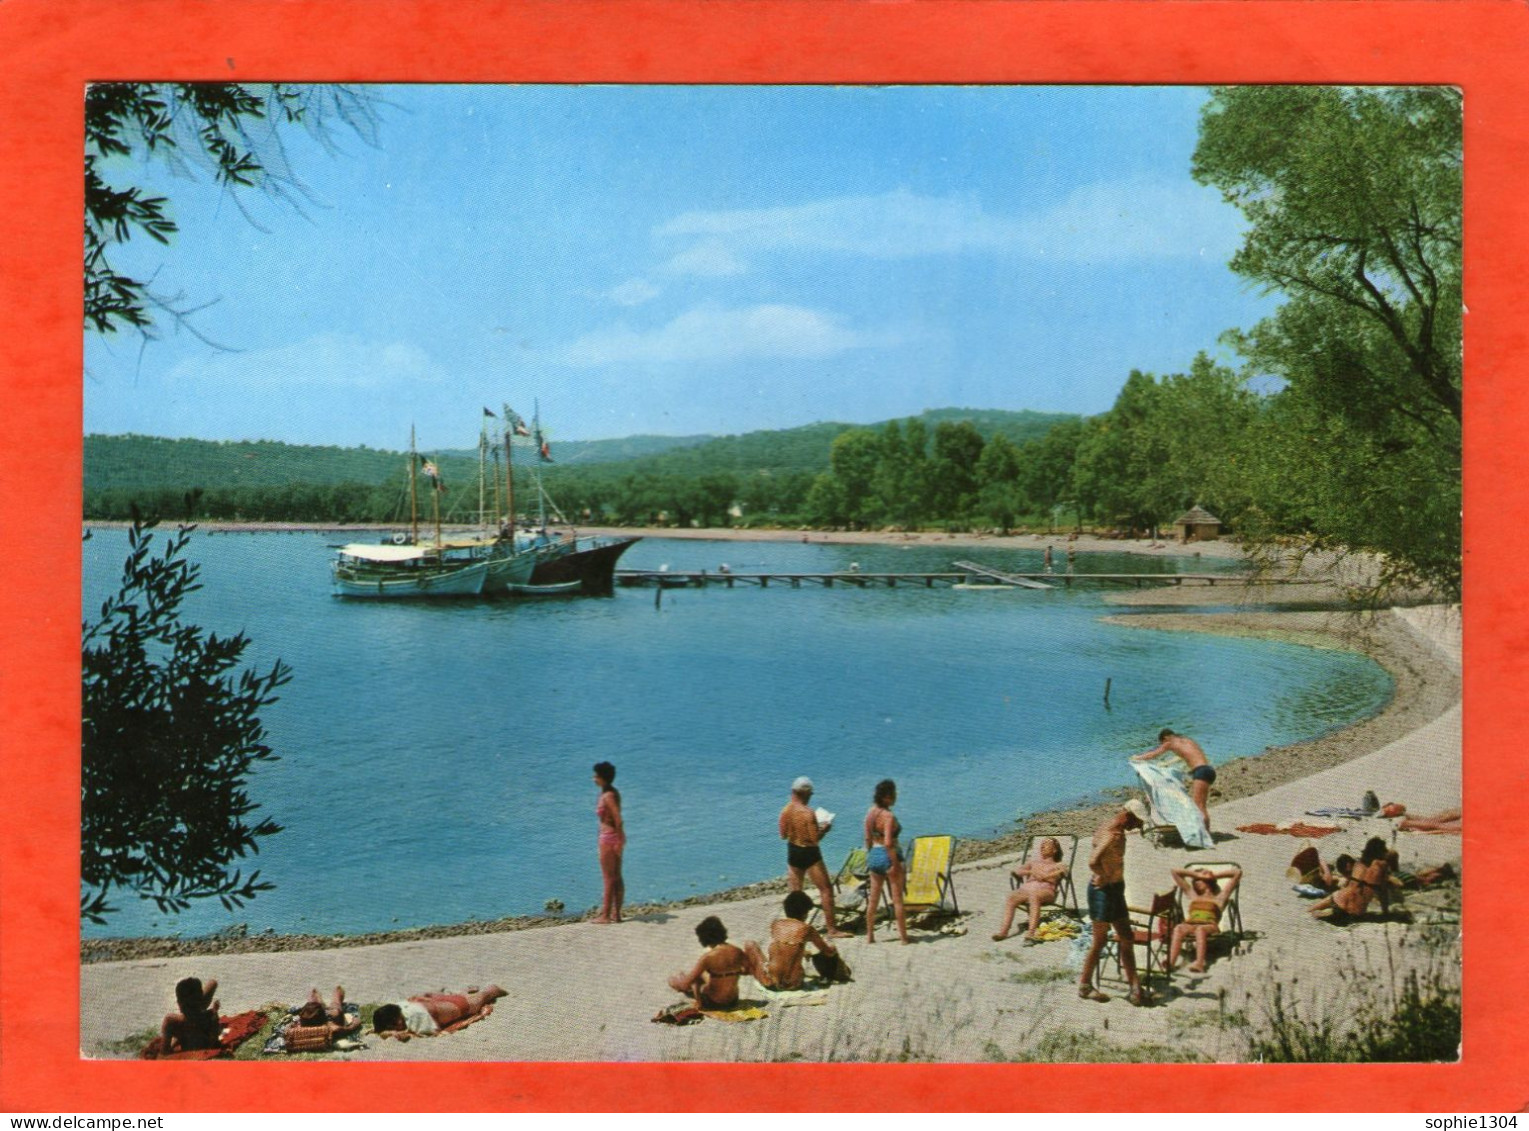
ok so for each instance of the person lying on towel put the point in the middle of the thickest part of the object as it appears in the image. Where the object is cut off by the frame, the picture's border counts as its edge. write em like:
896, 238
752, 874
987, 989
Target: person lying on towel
430, 1015
712, 983
316, 1018
788, 946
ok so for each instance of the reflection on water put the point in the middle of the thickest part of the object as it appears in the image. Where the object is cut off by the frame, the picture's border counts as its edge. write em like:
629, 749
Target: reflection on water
435, 757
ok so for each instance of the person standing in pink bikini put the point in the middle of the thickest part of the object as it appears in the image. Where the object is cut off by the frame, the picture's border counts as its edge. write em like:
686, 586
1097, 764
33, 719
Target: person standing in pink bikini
612, 843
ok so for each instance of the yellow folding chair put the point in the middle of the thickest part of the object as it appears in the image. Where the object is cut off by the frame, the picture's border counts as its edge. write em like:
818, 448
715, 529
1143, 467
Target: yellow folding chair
930, 886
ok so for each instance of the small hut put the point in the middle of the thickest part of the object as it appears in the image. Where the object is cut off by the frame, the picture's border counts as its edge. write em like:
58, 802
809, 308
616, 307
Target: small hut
1197, 525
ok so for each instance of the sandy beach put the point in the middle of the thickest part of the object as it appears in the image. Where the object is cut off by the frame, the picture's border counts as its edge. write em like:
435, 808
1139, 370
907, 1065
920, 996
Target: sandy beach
582, 992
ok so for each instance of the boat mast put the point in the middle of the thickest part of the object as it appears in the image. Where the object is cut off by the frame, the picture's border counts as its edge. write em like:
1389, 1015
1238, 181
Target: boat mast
413, 492
482, 464
541, 494
509, 468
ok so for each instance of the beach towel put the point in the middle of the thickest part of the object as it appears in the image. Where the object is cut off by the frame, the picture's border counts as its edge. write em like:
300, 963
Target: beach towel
1051, 929
807, 994
679, 1015
1351, 814
744, 1013
1299, 828
1171, 802
234, 1032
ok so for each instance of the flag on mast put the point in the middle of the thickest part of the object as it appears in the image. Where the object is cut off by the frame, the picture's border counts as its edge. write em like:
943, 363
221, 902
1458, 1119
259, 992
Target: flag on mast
432, 472
489, 412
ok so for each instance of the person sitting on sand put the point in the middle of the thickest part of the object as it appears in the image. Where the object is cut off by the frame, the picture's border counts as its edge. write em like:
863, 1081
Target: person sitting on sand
1309, 868
1040, 876
430, 1015
1202, 775
788, 946
314, 1014
1369, 878
1449, 821
196, 1025
1207, 896
712, 983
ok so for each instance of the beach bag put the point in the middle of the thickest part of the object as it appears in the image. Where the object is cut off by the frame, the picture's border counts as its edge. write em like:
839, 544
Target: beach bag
832, 968
308, 1038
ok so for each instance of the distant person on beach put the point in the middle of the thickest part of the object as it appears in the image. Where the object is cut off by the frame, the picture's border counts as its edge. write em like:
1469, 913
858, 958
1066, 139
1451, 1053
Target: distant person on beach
1040, 876
1046, 561
1368, 880
789, 937
612, 844
1202, 775
431, 1015
1107, 901
712, 983
800, 830
1449, 821
1207, 894
884, 859
196, 1025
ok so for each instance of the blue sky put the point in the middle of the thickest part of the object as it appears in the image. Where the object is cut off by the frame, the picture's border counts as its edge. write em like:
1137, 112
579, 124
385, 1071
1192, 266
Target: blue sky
682, 260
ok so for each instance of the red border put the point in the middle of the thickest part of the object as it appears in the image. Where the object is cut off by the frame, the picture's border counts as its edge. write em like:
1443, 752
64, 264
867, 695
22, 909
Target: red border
50, 48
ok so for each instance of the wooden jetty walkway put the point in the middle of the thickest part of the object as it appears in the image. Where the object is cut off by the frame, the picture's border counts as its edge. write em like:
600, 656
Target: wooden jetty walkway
971, 576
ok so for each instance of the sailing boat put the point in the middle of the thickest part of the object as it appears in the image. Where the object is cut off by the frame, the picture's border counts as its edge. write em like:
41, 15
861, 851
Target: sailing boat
565, 563
409, 569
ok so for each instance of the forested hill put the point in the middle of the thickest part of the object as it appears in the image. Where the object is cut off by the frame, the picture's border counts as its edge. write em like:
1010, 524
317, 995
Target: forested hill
133, 462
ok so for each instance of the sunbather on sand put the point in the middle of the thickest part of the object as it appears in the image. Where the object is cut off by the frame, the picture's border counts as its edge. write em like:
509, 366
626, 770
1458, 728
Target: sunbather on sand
430, 1015
196, 1024
1369, 879
712, 983
1207, 893
1448, 821
314, 1013
789, 937
1041, 876
1309, 868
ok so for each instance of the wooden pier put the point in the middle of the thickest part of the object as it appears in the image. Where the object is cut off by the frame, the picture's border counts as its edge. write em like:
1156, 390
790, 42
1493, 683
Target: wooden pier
971, 576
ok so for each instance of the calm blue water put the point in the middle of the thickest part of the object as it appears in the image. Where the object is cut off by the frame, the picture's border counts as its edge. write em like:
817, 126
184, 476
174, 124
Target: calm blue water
436, 757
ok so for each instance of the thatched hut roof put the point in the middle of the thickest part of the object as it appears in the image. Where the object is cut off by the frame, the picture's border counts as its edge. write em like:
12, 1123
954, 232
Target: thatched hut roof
1196, 516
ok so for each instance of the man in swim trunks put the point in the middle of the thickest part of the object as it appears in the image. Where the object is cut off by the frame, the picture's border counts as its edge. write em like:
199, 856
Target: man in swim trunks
430, 1015
799, 829
712, 982
1107, 900
1202, 775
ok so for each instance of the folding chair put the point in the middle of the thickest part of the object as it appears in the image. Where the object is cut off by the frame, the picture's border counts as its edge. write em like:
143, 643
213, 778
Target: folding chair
930, 886
850, 878
1066, 892
1151, 931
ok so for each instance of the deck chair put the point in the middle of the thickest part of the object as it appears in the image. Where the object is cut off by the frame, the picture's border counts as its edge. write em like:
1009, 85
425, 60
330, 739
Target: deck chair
1231, 918
1151, 931
930, 886
851, 885
1066, 893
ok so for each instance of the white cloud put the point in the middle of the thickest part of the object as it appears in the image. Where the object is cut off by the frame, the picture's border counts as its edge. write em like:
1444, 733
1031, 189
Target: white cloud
633, 292
711, 259
327, 360
1129, 220
713, 334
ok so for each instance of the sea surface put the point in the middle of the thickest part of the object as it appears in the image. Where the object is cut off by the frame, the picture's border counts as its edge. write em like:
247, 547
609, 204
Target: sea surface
435, 757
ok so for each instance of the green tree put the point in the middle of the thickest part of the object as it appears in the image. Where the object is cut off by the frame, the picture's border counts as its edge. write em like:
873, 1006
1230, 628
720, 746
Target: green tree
227, 130
855, 457
170, 735
952, 472
1354, 203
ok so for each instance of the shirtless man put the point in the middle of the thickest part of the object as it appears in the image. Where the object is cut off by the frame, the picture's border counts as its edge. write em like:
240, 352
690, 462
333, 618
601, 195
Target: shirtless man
789, 937
1202, 775
799, 829
431, 1015
196, 1024
712, 983
1107, 900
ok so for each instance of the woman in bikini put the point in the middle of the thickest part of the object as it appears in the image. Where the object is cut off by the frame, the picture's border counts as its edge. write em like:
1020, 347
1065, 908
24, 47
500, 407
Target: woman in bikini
1207, 893
430, 1015
1040, 876
712, 983
1370, 878
884, 858
612, 843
